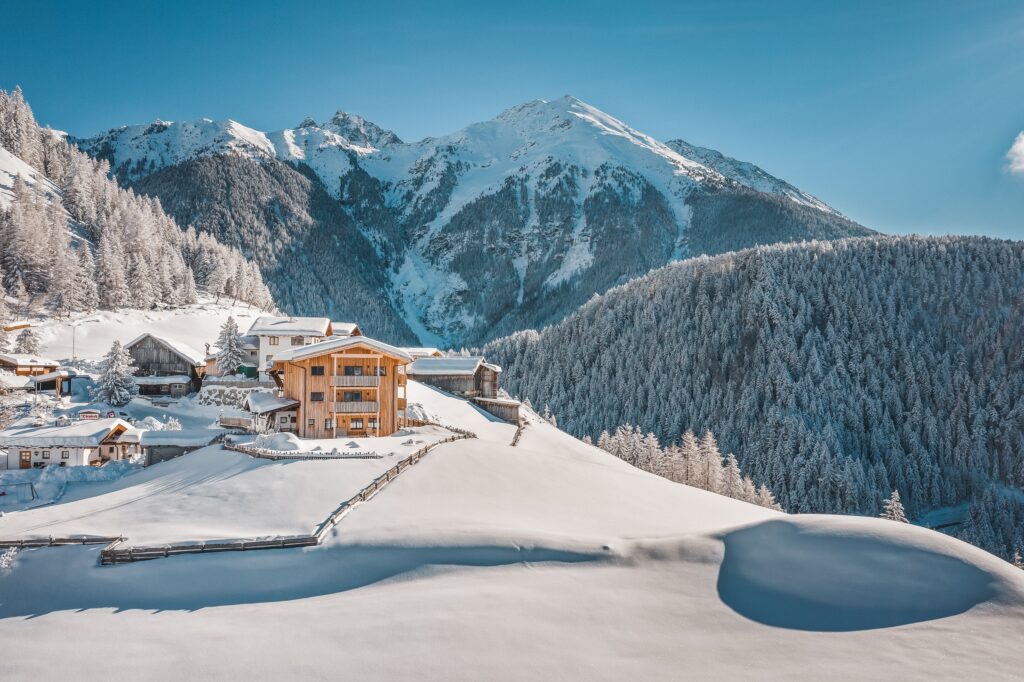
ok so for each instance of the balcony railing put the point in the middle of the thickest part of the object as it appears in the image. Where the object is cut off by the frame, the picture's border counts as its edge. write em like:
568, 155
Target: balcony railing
357, 407
367, 381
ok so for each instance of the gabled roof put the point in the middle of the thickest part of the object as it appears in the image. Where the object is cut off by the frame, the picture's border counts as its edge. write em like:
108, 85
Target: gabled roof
423, 352
84, 433
452, 366
340, 343
290, 326
63, 373
345, 328
23, 360
182, 350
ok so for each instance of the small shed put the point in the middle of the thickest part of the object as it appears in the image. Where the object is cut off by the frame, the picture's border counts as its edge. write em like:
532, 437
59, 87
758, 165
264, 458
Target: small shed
470, 377
157, 356
272, 411
174, 386
59, 381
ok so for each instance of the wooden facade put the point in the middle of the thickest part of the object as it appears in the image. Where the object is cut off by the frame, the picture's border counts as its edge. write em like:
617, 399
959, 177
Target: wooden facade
354, 391
474, 379
154, 356
26, 366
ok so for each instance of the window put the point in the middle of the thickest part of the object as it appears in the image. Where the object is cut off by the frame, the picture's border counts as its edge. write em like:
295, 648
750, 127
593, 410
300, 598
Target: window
65, 454
270, 356
353, 371
272, 340
317, 370
328, 423
372, 422
283, 419
311, 423
356, 423
382, 371
46, 454
353, 396
298, 341
316, 396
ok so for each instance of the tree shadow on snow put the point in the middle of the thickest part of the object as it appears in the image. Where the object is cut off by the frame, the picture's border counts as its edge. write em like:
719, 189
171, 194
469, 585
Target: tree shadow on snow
38, 583
781, 574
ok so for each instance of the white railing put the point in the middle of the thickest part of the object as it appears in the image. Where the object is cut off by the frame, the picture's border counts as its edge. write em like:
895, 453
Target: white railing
357, 407
368, 381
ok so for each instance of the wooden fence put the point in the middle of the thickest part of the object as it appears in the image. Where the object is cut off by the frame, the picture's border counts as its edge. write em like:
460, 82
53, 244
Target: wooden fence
112, 554
279, 455
54, 542
519, 434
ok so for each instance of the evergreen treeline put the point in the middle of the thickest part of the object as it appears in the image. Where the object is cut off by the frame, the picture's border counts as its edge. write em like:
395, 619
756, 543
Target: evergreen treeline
836, 371
693, 461
91, 244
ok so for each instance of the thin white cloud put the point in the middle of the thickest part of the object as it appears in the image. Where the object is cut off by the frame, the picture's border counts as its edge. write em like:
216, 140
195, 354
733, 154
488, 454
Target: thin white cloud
1016, 155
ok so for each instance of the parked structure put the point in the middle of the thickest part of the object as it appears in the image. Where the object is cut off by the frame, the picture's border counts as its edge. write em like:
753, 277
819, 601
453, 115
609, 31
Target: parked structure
279, 334
470, 377
59, 381
345, 386
26, 365
76, 443
165, 367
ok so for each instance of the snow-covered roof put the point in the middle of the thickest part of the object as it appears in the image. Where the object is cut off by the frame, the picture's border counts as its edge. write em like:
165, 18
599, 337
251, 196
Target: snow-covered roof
423, 352
83, 433
25, 360
162, 381
288, 326
63, 373
452, 366
250, 342
262, 402
339, 343
10, 380
344, 328
187, 353
196, 437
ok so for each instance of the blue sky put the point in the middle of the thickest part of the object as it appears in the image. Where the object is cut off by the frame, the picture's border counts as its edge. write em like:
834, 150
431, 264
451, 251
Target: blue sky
899, 114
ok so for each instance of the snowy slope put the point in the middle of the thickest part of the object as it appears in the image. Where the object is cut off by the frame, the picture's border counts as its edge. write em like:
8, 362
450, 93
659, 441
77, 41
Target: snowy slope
549, 560
10, 167
748, 175
91, 334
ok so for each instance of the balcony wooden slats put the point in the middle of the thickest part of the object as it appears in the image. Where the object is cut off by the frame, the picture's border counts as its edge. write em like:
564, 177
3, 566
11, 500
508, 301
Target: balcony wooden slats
360, 381
357, 407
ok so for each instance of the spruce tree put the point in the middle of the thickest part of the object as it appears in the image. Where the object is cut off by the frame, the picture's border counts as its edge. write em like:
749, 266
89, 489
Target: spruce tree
116, 384
27, 342
230, 354
893, 508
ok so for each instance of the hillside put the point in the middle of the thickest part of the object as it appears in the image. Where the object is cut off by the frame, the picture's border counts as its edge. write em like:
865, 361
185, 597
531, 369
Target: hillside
550, 559
75, 241
506, 224
835, 371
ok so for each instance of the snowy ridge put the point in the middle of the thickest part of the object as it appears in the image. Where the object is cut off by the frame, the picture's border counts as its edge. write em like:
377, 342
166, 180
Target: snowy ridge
11, 167
748, 175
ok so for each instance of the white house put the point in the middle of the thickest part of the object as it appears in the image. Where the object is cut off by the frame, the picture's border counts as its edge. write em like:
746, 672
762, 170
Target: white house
345, 329
76, 443
277, 334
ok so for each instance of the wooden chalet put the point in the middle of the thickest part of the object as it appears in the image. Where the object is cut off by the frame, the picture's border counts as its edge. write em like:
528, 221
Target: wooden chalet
344, 386
165, 367
24, 365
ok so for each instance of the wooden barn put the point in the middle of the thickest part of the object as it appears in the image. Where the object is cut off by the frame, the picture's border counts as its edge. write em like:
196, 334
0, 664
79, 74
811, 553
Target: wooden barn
470, 377
165, 367
344, 386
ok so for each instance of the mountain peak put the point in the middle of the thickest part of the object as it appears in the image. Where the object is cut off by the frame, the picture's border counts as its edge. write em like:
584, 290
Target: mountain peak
359, 131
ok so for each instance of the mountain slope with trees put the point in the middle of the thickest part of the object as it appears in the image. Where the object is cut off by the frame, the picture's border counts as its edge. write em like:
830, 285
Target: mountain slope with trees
506, 224
76, 241
837, 371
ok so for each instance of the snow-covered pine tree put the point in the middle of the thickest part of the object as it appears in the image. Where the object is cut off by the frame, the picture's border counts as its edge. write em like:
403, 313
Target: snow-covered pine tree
732, 478
230, 354
893, 508
116, 384
27, 342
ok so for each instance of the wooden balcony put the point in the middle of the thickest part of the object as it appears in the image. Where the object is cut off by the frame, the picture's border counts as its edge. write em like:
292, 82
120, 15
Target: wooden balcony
356, 407
360, 381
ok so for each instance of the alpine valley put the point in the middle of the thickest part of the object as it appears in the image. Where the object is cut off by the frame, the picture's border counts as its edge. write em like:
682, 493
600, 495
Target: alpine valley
507, 224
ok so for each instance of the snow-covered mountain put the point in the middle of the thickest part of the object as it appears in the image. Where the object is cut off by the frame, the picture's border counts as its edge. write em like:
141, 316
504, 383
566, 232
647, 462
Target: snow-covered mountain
505, 224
